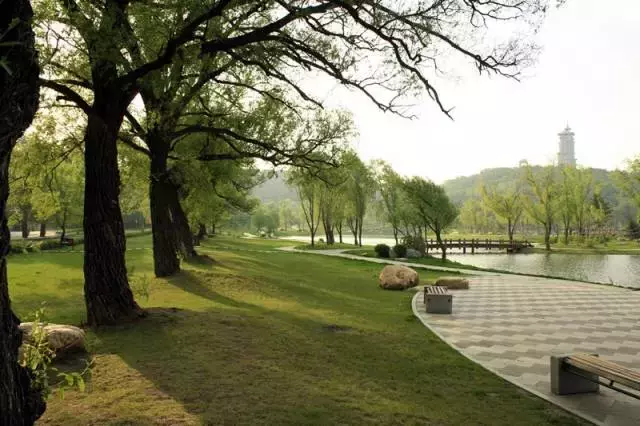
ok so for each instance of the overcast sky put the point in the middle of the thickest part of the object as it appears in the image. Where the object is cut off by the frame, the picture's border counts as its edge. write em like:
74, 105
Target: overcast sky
588, 75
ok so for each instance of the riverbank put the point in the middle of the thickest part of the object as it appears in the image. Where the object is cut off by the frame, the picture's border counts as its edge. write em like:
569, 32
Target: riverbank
611, 247
369, 253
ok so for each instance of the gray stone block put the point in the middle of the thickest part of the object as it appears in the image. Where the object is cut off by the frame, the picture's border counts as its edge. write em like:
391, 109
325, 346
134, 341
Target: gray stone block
565, 383
439, 303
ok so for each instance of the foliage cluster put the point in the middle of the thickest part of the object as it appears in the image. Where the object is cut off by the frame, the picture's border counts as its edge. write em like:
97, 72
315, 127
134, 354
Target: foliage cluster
382, 250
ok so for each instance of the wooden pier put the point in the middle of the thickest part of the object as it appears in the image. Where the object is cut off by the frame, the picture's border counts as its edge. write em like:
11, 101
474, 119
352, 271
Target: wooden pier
479, 244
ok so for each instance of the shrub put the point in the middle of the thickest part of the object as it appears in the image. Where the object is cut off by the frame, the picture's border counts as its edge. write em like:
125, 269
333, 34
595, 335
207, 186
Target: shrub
30, 248
415, 242
633, 230
16, 249
400, 250
49, 244
413, 254
382, 250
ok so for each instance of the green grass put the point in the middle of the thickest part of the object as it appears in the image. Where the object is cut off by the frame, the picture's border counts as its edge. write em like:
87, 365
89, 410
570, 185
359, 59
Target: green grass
249, 341
429, 261
325, 246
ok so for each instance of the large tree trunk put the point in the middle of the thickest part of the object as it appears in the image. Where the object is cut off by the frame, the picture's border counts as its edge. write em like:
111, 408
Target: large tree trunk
547, 235
182, 228
43, 229
20, 404
354, 231
202, 231
165, 258
63, 226
106, 289
24, 222
442, 245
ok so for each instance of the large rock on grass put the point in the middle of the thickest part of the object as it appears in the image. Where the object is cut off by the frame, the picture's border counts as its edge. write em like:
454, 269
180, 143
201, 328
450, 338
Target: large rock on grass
453, 283
62, 339
398, 277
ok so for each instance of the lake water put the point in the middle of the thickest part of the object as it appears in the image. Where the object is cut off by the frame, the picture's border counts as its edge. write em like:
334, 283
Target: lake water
619, 269
623, 270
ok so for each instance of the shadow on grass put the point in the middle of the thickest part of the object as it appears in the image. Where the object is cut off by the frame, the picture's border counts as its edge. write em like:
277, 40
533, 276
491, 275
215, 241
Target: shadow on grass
194, 283
229, 368
285, 345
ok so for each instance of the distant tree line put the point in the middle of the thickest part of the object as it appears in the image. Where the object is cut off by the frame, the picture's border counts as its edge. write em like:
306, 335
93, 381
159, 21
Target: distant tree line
564, 201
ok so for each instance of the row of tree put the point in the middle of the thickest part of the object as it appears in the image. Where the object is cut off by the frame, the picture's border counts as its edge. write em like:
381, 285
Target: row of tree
562, 198
414, 207
336, 198
198, 89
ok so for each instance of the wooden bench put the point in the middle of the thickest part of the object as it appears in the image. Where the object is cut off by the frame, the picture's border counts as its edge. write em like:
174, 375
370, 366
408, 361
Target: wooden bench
437, 299
582, 373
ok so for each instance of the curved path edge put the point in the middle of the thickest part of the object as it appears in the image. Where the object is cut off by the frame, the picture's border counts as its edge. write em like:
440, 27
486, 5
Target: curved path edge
414, 308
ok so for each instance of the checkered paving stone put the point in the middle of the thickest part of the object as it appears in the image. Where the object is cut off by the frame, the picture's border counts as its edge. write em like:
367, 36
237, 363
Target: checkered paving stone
512, 324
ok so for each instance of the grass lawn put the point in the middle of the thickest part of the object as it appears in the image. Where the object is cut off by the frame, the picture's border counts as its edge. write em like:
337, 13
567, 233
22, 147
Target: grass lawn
430, 261
335, 246
267, 338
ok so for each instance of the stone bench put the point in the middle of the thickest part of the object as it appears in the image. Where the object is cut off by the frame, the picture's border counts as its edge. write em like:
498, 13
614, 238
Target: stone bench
583, 373
437, 300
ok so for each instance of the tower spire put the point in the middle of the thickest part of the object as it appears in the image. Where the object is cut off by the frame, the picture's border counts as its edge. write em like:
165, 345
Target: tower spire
566, 148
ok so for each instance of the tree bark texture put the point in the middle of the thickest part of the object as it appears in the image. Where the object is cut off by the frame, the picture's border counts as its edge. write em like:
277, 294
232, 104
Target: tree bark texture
20, 404
107, 293
165, 249
547, 237
202, 231
442, 245
181, 224
24, 222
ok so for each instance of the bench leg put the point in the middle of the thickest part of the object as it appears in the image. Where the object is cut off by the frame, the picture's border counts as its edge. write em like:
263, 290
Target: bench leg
439, 304
566, 383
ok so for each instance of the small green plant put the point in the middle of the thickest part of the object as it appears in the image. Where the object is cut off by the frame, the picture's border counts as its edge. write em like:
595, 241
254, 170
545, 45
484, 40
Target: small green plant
382, 250
16, 249
140, 286
415, 243
37, 356
400, 250
30, 248
49, 244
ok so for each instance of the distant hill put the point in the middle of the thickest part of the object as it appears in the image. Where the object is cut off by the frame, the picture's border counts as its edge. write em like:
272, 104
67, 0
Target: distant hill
274, 190
462, 188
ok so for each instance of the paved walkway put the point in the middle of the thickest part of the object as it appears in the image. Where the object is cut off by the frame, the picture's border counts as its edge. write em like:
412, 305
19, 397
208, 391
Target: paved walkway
511, 324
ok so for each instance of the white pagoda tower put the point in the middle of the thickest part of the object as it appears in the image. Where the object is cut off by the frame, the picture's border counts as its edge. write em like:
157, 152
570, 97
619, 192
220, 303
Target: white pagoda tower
566, 148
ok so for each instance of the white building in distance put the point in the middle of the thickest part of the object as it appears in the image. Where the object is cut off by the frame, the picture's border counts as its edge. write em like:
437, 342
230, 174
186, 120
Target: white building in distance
566, 148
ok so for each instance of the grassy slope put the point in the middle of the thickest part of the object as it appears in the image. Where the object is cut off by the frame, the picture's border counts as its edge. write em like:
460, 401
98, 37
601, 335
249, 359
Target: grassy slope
431, 261
248, 344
